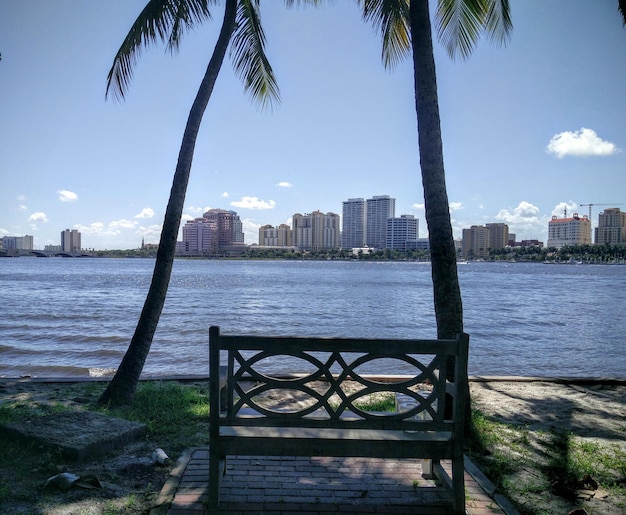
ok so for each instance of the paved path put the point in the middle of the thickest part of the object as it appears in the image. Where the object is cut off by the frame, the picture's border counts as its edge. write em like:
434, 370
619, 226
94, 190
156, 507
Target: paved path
312, 486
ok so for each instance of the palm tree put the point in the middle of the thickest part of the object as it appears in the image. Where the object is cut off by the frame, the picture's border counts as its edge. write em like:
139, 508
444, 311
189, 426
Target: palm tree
405, 28
166, 20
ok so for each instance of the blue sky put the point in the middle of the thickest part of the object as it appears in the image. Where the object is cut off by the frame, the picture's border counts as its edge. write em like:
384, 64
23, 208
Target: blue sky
529, 129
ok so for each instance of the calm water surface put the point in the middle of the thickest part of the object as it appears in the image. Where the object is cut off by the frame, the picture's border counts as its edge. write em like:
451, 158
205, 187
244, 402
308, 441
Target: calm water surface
75, 317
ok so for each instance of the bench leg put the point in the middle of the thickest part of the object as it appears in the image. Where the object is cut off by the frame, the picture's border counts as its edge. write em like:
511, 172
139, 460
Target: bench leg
427, 468
216, 464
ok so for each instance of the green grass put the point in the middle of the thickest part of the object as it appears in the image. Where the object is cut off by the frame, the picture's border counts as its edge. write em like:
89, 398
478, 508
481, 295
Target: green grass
540, 470
172, 412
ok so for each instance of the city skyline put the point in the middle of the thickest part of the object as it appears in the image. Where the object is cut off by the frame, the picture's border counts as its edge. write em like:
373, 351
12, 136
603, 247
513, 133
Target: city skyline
529, 130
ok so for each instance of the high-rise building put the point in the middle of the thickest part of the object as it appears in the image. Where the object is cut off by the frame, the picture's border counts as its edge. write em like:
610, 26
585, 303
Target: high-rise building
402, 232
316, 231
498, 235
229, 226
70, 241
17, 242
475, 242
378, 210
353, 223
569, 231
200, 237
478, 240
215, 231
280, 236
611, 227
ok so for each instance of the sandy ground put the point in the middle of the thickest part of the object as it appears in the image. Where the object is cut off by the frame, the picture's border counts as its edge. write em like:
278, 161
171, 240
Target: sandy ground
594, 410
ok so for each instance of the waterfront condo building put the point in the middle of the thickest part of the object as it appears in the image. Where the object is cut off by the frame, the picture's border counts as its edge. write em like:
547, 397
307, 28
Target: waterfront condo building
611, 227
316, 231
378, 210
70, 241
200, 237
569, 231
280, 236
475, 242
498, 235
216, 231
17, 242
353, 223
402, 232
478, 239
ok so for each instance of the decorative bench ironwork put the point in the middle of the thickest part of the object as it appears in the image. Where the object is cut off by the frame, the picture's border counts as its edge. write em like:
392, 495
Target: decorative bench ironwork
328, 419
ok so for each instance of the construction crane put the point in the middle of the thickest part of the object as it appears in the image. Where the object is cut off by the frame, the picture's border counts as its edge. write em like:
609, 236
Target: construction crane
591, 205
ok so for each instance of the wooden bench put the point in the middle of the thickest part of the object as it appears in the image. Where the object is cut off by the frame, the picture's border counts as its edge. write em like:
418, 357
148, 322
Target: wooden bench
327, 419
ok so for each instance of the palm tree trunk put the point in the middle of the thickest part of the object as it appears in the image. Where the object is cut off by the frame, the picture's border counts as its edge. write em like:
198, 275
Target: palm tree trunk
446, 291
447, 294
121, 389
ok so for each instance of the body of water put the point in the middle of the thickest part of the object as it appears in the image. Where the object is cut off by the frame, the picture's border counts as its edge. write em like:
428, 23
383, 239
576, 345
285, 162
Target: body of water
75, 317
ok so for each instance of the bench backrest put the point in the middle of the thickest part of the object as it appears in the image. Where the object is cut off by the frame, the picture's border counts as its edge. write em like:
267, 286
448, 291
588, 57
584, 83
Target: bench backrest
329, 365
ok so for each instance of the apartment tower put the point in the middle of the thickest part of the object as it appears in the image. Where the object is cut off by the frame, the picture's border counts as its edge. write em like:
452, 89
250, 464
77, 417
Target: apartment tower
569, 231
353, 223
611, 227
316, 231
378, 210
402, 232
70, 241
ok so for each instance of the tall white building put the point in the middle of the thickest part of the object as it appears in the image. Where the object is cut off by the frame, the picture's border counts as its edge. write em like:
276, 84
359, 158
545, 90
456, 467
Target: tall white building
378, 210
70, 241
353, 223
402, 232
17, 242
316, 231
569, 231
611, 227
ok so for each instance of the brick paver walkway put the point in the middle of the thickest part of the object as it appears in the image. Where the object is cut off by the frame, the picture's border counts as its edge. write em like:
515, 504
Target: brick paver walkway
312, 486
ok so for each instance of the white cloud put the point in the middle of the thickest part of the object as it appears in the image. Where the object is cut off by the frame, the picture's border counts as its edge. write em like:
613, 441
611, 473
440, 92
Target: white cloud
582, 143
21, 198
22, 207
117, 225
253, 203
94, 228
564, 207
38, 217
151, 234
250, 231
3, 232
455, 206
67, 196
146, 212
284, 184
525, 221
225, 195
418, 206
197, 210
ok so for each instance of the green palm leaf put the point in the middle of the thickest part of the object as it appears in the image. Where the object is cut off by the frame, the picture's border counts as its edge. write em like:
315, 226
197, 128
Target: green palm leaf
163, 20
248, 54
390, 18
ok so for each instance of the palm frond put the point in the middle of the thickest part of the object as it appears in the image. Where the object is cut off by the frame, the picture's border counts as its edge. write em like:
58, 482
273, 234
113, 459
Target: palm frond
391, 19
621, 7
459, 25
248, 55
163, 20
498, 23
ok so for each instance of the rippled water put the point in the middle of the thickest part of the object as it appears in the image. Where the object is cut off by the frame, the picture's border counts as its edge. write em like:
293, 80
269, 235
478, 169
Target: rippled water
75, 317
